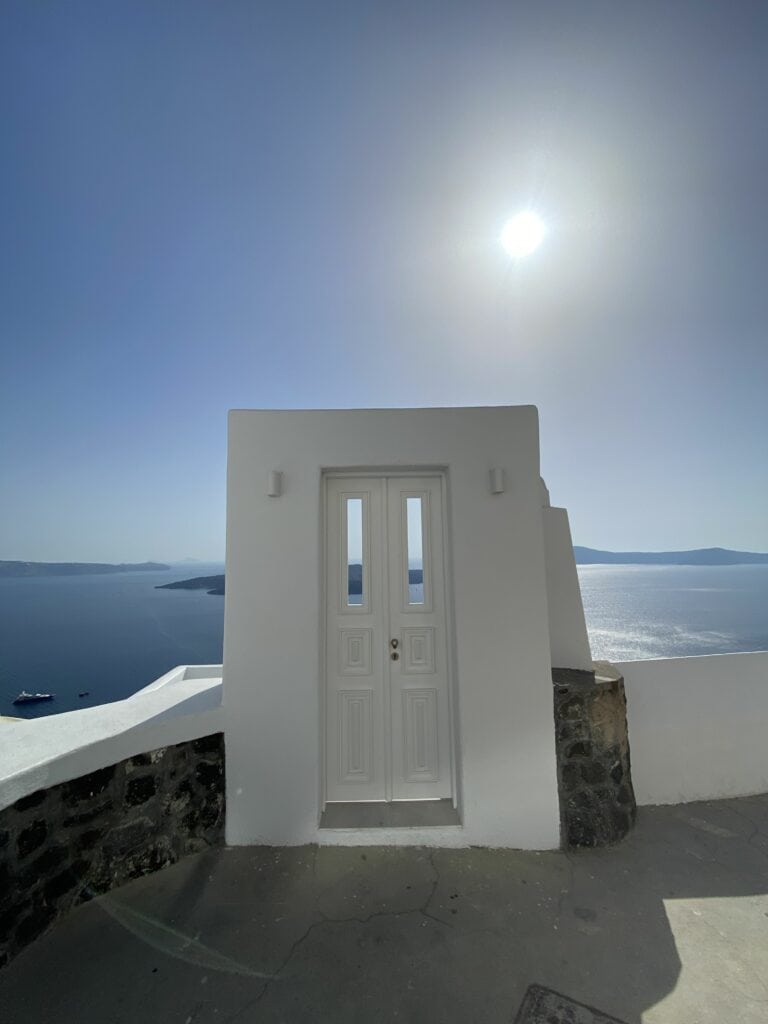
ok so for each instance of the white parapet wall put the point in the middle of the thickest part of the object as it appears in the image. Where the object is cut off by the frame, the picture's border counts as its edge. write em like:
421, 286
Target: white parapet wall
568, 638
697, 726
184, 704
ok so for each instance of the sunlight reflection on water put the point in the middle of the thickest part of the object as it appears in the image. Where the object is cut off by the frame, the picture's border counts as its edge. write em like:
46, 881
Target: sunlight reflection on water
640, 611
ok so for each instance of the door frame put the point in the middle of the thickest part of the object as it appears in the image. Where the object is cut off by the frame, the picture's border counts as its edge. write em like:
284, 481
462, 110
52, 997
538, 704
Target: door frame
441, 473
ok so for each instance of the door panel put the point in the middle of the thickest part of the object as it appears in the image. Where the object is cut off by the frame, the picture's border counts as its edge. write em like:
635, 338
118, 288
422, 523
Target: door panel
387, 705
420, 728
355, 601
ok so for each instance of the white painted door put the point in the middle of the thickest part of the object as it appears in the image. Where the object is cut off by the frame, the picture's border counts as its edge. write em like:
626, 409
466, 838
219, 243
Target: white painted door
387, 671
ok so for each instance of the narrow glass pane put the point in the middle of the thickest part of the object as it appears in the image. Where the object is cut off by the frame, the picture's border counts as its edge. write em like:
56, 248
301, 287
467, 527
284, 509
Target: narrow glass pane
415, 553
354, 551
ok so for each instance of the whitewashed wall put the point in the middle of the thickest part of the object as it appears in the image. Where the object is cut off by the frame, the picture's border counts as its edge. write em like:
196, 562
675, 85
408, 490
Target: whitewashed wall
184, 704
568, 638
272, 670
697, 727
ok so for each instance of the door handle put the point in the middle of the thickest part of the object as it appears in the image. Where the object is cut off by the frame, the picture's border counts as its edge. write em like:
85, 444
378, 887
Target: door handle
394, 656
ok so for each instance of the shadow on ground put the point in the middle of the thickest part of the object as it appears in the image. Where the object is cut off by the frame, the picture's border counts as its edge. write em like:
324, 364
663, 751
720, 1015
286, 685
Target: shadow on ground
671, 925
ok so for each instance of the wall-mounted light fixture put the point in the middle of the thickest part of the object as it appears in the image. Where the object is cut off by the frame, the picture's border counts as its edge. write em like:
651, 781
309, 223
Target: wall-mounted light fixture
274, 483
498, 480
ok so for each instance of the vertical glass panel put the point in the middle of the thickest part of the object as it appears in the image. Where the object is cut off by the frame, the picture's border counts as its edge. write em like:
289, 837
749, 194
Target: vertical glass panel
415, 552
355, 568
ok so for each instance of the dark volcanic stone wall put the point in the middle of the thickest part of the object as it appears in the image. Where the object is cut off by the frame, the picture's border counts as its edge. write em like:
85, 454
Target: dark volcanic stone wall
597, 802
64, 845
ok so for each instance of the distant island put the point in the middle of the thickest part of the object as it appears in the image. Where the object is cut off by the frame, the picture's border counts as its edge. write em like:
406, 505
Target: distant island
355, 577
700, 556
213, 584
584, 556
18, 569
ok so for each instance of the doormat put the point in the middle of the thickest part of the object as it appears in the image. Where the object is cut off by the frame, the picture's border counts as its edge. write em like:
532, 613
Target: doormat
543, 1006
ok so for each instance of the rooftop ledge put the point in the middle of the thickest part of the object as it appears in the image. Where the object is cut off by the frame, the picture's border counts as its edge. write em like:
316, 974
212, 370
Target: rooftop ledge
184, 704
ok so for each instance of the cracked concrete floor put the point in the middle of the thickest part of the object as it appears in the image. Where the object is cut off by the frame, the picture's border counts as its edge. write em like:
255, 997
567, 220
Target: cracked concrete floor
670, 926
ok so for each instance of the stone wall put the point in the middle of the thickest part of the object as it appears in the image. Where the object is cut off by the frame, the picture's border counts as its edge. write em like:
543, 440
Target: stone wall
63, 845
597, 802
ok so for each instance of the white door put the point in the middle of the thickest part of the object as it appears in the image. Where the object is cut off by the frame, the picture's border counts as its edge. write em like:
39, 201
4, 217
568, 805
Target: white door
387, 671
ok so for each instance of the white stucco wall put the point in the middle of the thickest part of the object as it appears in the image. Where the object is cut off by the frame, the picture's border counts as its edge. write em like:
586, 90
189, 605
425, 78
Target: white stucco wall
272, 665
184, 704
697, 726
568, 639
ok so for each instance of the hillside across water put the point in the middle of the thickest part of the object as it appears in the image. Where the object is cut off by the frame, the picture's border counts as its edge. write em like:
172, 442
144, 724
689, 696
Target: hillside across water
699, 556
10, 570
584, 556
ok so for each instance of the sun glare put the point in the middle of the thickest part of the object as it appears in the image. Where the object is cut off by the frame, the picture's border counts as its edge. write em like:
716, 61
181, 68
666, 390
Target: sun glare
522, 234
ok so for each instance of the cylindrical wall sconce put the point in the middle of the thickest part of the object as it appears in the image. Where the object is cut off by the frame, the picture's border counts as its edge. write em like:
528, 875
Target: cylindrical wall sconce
275, 483
498, 480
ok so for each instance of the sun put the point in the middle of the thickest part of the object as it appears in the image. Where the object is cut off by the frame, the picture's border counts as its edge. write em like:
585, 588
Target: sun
522, 234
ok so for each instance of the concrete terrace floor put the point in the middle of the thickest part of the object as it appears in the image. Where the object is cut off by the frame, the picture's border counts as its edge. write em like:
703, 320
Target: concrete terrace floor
669, 926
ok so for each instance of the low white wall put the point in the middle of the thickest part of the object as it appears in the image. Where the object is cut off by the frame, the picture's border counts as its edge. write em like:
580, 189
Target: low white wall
568, 638
43, 752
183, 674
697, 726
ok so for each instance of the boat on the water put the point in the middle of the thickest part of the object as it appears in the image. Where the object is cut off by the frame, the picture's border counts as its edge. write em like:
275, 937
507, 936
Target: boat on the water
32, 698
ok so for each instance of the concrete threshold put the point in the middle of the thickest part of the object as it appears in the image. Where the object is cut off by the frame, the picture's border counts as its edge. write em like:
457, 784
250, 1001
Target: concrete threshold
398, 814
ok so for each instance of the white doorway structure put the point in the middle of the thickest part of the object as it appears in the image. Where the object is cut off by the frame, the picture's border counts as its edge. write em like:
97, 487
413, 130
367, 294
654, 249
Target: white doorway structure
388, 671
389, 635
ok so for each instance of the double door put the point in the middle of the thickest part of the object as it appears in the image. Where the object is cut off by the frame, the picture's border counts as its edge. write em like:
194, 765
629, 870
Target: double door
388, 734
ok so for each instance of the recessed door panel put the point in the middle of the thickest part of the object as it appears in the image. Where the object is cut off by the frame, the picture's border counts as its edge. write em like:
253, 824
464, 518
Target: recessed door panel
420, 736
356, 731
419, 650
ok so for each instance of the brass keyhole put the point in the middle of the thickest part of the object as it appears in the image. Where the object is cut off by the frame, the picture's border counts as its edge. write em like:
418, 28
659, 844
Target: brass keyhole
395, 644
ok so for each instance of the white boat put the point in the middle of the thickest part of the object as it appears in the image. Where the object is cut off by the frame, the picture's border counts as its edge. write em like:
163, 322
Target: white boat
31, 698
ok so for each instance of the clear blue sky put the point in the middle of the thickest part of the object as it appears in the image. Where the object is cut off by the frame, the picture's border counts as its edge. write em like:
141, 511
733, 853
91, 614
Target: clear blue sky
216, 205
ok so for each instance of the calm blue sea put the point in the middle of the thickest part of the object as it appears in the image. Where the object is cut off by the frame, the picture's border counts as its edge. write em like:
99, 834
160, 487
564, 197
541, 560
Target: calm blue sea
111, 635
658, 611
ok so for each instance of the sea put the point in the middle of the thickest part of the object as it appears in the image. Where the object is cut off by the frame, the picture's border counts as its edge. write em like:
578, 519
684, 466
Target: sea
636, 612
108, 636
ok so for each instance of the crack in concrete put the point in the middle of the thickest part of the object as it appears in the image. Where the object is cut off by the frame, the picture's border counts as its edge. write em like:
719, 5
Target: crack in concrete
435, 883
324, 920
756, 831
